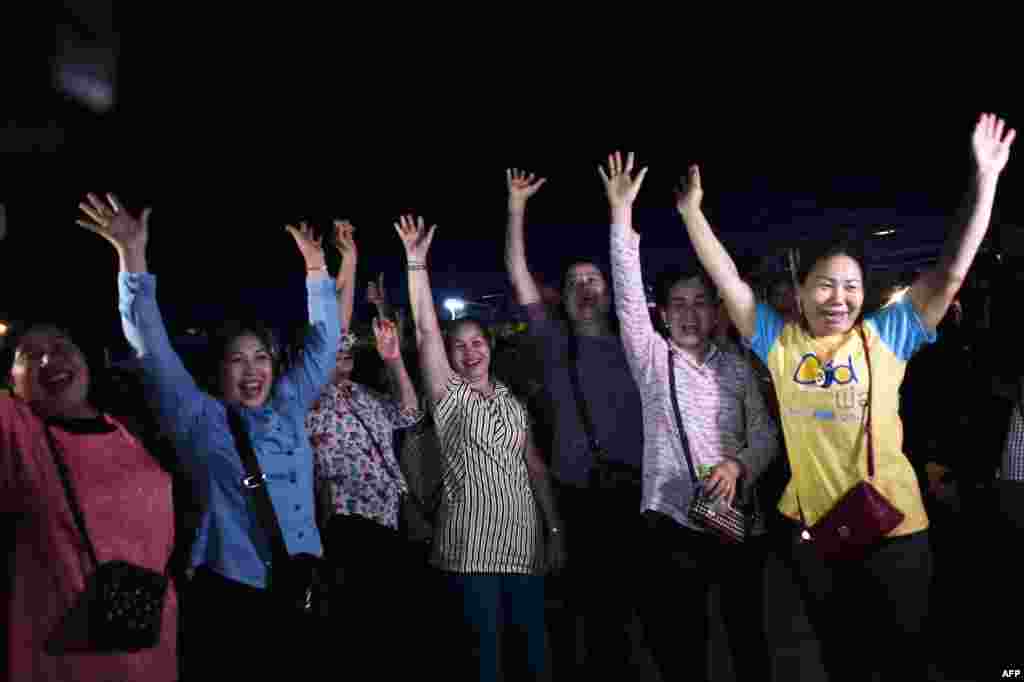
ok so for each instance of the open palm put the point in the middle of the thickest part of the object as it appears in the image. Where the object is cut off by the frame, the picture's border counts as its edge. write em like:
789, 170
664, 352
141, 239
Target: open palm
415, 236
619, 183
113, 223
991, 145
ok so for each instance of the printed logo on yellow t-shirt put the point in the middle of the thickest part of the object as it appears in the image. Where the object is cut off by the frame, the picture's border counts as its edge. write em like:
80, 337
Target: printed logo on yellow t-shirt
812, 372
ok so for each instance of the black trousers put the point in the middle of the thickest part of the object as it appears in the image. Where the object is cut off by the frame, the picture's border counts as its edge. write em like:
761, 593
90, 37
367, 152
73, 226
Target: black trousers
682, 566
384, 602
234, 631
869, 615
598, 584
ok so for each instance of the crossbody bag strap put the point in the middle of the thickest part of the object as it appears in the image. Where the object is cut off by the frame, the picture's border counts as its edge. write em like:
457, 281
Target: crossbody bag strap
256, 484
373, 439
678, 415
867, 407
581, 402
69, 492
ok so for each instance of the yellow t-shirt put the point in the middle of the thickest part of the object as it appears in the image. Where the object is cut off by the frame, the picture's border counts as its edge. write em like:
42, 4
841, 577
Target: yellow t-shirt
822, 386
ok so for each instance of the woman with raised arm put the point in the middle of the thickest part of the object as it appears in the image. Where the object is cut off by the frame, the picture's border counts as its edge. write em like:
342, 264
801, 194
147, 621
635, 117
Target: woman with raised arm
489, 535
124, 499
233, 621
358, 479
593, 400
836, 372
710, 392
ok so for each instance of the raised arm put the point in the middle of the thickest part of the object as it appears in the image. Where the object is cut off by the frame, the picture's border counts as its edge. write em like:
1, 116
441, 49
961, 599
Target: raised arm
344, 241
630, 298
520, 188
377, 295
311, 373
173, 394
737, 294
433, 359
935, 290
386, 334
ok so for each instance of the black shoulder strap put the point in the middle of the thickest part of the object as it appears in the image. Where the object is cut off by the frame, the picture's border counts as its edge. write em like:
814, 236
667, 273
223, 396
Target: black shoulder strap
581, 403
678, 415
69, 491
255, 483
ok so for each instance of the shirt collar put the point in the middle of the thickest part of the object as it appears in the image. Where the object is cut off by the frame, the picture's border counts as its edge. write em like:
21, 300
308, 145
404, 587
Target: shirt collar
713, 351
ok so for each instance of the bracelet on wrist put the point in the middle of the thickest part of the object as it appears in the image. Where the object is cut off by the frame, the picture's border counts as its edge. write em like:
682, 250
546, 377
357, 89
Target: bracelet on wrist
416, 265
316, 268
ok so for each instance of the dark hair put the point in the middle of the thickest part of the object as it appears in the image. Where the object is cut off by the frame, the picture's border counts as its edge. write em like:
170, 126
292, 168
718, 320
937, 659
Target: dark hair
569, 263
91, 352
602, 267
225, 335
452, 326
669, 277
843, 244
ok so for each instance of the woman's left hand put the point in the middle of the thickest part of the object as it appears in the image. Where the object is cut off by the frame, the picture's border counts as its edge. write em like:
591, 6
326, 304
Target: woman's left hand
722, 481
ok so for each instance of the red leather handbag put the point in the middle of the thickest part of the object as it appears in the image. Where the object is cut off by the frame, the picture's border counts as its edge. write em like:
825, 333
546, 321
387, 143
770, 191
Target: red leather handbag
863, 516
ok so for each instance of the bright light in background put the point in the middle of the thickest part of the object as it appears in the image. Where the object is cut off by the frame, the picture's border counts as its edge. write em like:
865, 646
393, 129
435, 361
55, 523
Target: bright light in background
884, 231
898, 295
4, 328
455, 306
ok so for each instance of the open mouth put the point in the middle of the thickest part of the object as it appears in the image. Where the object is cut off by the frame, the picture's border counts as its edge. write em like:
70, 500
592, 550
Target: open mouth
472, 364
835, 318
251, 389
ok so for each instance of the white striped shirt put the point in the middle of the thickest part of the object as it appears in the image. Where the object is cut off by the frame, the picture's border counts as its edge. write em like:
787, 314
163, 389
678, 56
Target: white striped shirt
489, 521
1013, 451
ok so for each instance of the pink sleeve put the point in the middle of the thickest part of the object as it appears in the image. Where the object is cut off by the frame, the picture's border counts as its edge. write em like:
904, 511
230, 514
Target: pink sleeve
11, 466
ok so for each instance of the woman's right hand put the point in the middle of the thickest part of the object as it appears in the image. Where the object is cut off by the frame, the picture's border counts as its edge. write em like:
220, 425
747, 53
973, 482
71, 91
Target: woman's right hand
415, 237
344, 240
110, 221
521, 187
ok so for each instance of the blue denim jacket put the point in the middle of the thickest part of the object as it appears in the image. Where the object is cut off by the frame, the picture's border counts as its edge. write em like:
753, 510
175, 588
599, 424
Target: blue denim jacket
230, 540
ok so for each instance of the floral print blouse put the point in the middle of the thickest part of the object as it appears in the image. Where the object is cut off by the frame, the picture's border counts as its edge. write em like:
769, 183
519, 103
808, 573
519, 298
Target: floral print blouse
351, 429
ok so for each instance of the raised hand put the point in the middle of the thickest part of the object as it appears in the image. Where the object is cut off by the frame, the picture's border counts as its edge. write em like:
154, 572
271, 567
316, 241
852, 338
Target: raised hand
619, 183
521, 187
310, 246
375, 292
991, 145
690, 192
386, 334
415, 237
344, 239
113, 223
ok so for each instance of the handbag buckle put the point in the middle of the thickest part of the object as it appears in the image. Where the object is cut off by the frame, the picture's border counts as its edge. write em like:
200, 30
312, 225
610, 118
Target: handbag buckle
251, 482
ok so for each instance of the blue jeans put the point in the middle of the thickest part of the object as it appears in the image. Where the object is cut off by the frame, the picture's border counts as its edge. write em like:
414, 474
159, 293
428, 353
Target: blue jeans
501, 609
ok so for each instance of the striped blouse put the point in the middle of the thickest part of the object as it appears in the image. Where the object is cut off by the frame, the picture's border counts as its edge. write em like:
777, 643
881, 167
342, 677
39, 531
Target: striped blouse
1013, 452
489, 521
